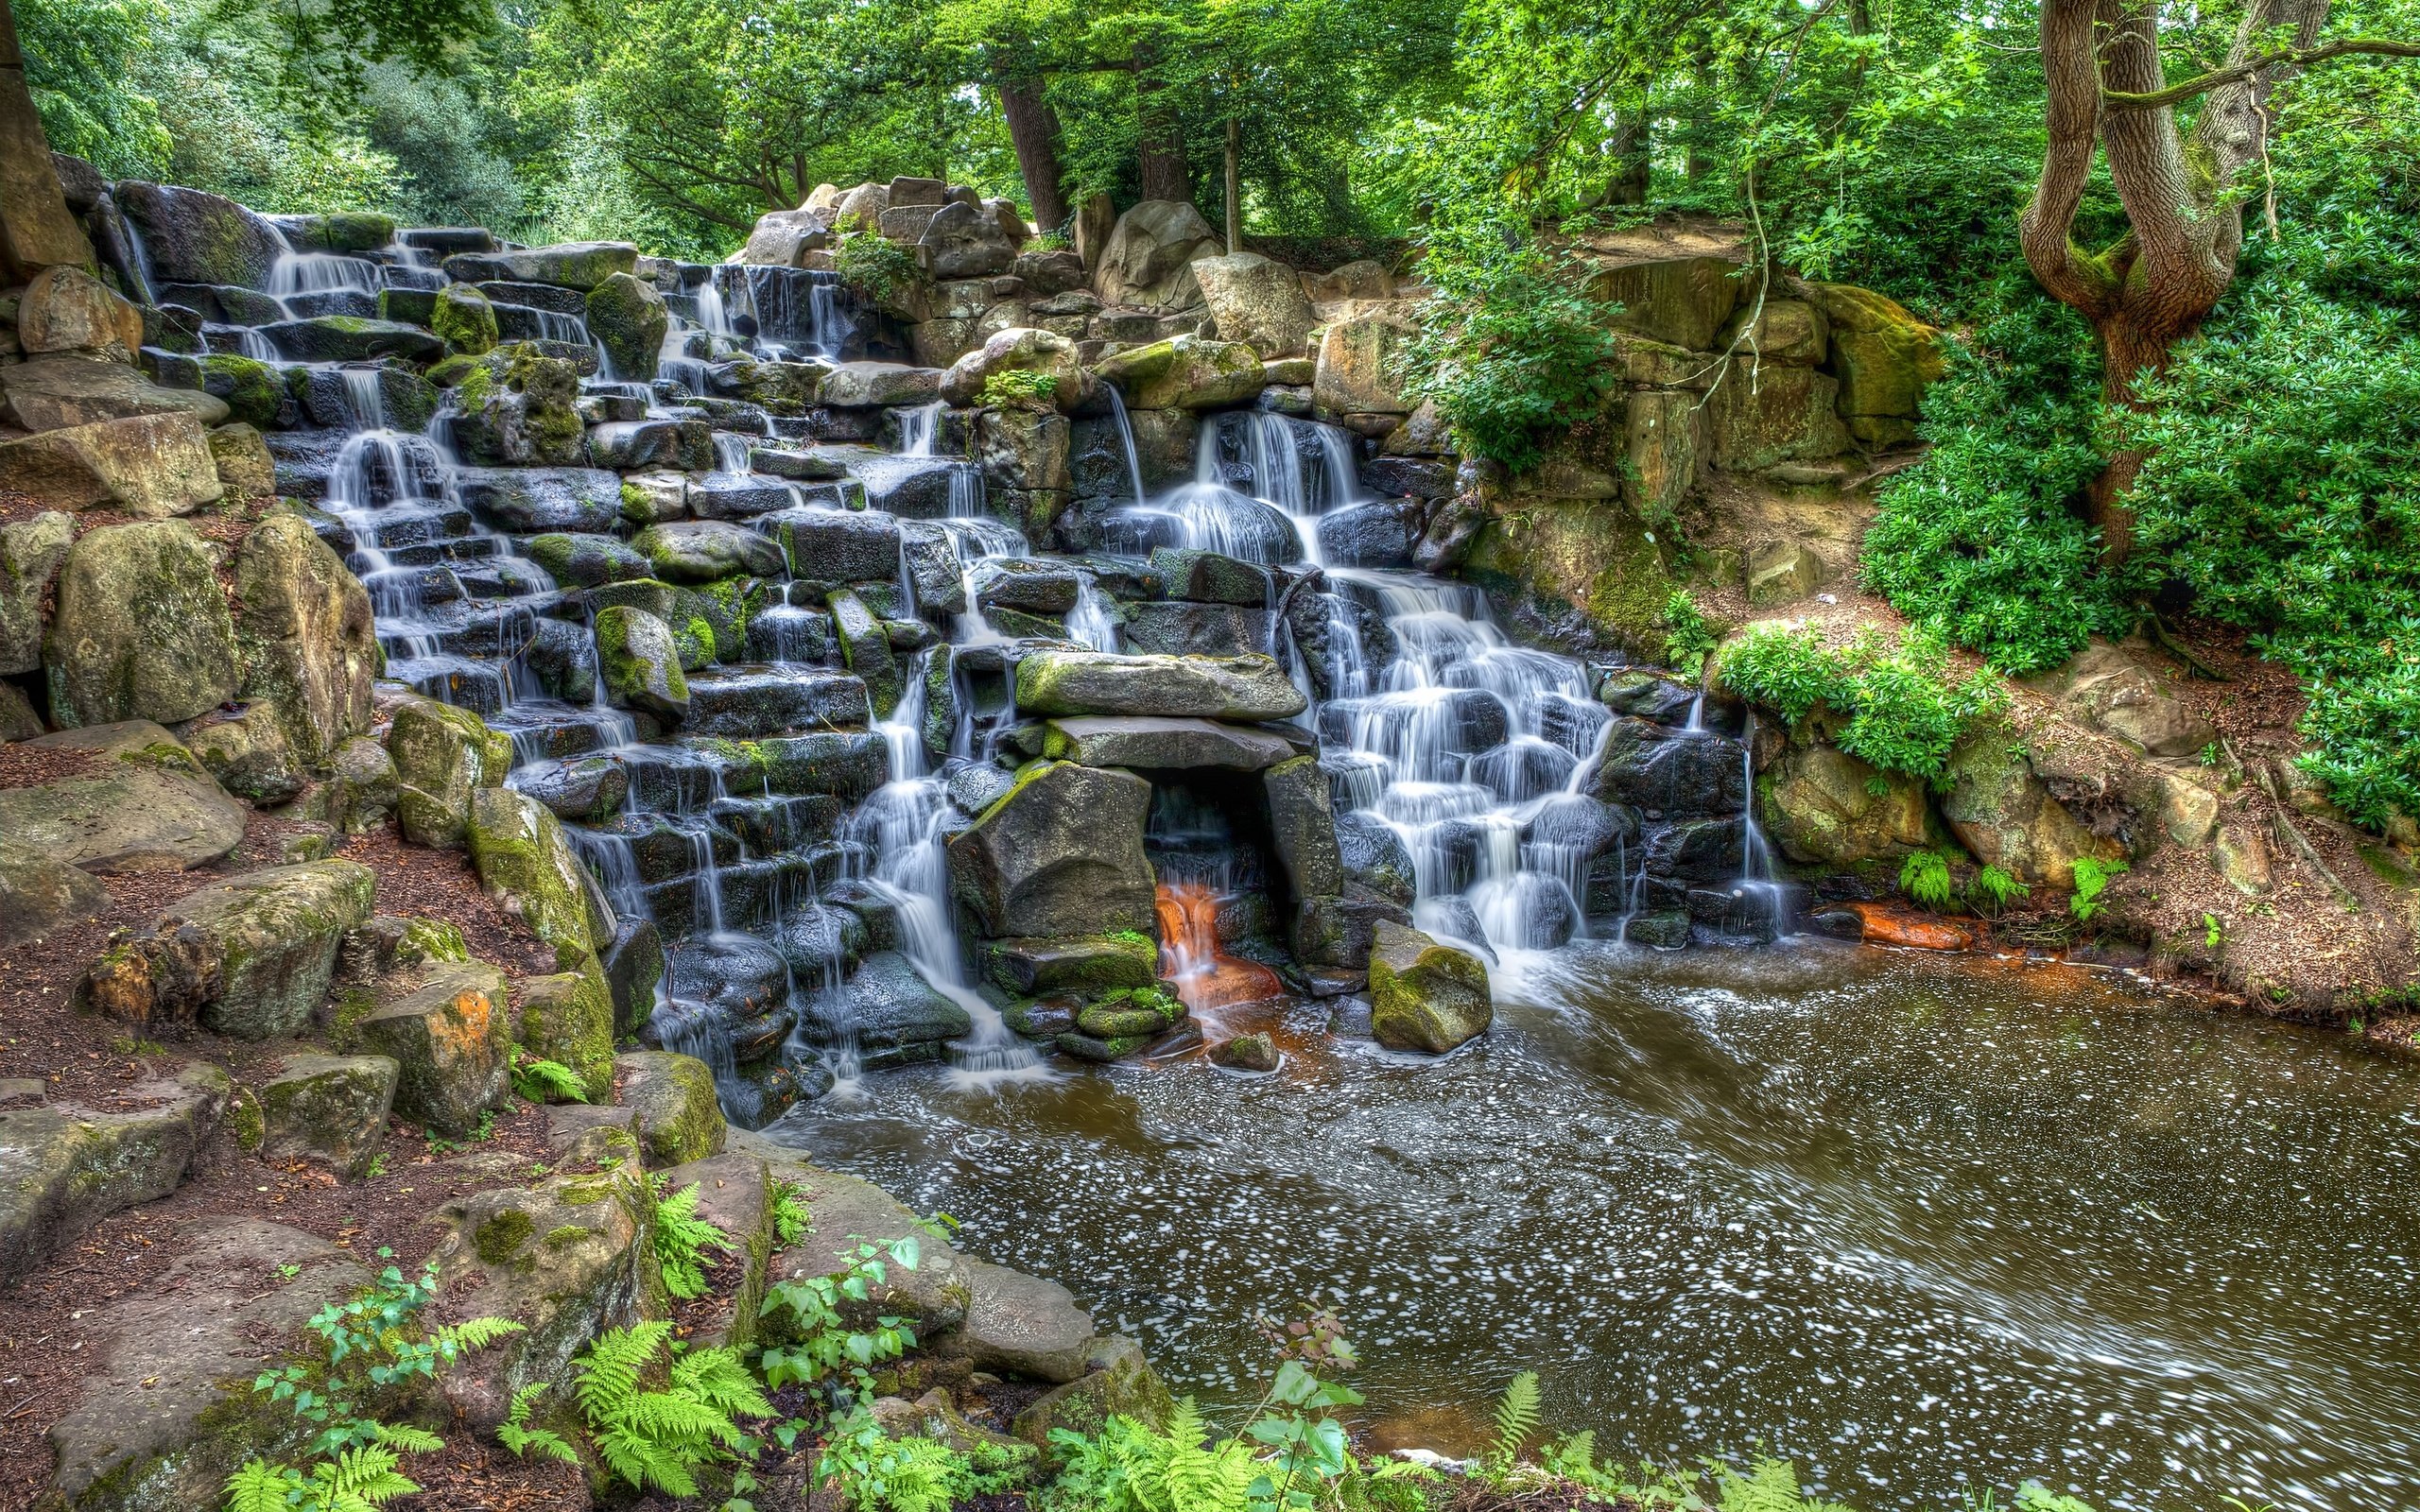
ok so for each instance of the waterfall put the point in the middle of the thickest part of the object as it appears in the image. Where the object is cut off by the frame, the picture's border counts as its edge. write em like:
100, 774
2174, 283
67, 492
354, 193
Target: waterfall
1125, 442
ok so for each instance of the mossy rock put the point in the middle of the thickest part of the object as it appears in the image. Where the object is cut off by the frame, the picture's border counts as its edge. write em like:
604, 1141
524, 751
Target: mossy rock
254, 391
525, 859
443, 755
1587, 564
674, 1106
627, 318
569, 1018
464, 320
642, 661
446, 1035
330, 1111
1424, 995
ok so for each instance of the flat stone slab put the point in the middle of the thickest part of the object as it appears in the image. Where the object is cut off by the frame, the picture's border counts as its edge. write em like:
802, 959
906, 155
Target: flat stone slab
1142, 740
153, 809
1247, 688
177, 1362
1020, 1325
65, 1167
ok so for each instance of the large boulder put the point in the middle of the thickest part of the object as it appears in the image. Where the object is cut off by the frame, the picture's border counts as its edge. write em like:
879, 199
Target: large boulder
1020, 1325
782, 238
464, 319
2108, 691
447, 1033
328, 1110
879, 386
147, 806
65, 1167
351, 338
516, 406
39, 895
1240, 688
1019, 349
190, 236
640, 662
566, 265
1424, 995
1883, 355
835, 546
66, 309
55, 393
1185, 372
528, 500
675, 1113
148, 465
1682, 301
707, 551
569, 1018
443, 755
1256, 300
1375, 857
250, 957
1062, 853
627, 318
306, 636
2005, 815
965, 241
525, 861
1303, 822
1150, 255
168, 1412
141, 628
1776, 414
568, 1257
1357, 364
1823, 806
30, 553
888, 1012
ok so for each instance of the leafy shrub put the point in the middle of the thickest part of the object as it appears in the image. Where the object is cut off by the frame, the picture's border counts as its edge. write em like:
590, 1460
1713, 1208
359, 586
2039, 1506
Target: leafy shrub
1984, 542
681, 1239
1129, 1466
1924, 876
830, 1353
1511, 348
2304, 527
878, 1473
2092, 876
874, 264
1020, 389
1688, 640
661, 1438
1904, 710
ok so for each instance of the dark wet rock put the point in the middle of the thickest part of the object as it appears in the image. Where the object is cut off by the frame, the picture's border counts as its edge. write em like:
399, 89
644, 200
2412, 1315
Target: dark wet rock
1424, 995
1254, 1053
527, 500
835, 547
1666, 772
1377, 534
889, 1012
1698, 850
1104, 740
1245, 688
1374, 856
589, 788
1061, 854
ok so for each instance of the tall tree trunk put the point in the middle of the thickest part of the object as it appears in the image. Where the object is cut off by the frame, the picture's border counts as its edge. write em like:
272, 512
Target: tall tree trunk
1034, 130
1234, 186
1166, 175
37, 231
2106, 93
1631, 150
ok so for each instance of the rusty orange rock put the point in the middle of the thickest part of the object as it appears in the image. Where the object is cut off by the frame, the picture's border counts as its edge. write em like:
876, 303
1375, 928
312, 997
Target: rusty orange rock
1885, 925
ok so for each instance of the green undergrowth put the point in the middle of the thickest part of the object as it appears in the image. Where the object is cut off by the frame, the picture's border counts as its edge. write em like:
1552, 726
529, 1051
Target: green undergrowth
1900, 707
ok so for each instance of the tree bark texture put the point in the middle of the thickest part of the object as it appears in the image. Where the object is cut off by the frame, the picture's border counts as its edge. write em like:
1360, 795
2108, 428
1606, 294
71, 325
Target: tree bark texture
1165, 173
1034, 130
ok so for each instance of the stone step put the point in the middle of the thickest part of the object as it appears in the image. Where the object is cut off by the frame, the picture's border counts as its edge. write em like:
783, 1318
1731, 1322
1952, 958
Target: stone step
65, 1167
747, 701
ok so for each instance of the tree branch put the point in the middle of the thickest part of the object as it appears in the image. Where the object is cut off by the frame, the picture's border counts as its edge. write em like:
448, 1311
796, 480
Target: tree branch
2045, 232
2234, 73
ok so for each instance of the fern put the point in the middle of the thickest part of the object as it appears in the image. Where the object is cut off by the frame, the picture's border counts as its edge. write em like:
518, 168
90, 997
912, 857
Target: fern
1768, 1486
358, 1480
790, 1222
1129, 1466
407, 1440
547, 1081
1992, 890
517, 1435
658, 1438
1517, 1418
682, 1238
1925, 878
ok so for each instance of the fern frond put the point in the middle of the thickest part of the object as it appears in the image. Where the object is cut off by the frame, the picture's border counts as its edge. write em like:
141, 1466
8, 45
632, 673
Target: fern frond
718, 1378
548, 1081
1517, 1418
407, 1439
644, 1463
361, 1478
479, 1333
260, 1486
681, 1239
609, 1373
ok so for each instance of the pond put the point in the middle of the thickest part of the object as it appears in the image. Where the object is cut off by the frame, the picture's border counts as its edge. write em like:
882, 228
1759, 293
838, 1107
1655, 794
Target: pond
1923, 1225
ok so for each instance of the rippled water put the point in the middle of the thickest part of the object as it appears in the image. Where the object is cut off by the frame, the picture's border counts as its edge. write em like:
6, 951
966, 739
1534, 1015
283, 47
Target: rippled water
1921, 1224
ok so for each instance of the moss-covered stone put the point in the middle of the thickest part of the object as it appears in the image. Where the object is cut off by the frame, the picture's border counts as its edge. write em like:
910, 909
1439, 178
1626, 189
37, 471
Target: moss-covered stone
569, 1018
518, 408
866, 647
1185, 372
641, 660
1825, 806
1117, 1382
443, 755
1577, 561
585, 560
273, 935
305, 635
327, 1109
464, 320
627, 318
447, 1038
500, 1237
2006, 817
140, 627
1083, 964
673, 1105
1424, 995
252, 390
525, 861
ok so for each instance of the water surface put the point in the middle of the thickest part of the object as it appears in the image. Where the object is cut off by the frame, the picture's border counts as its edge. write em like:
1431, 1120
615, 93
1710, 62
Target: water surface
1921, 1224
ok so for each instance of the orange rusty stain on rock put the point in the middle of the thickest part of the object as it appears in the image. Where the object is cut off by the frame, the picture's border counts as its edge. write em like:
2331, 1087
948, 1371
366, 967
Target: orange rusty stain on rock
1889, 926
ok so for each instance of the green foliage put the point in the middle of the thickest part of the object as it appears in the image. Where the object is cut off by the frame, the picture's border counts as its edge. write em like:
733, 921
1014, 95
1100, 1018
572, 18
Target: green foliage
659, 1439
1129, 1466
1992, 890
83, 60
2092, 875
831, 1355
516, 1435
1020, 389
1985, 542
1924, 876
1904, 707
1155, 997
878, 1473
1688, 640
791, 1219
876, 266
546, 1082
1512, 349
681, 1239
355, 1479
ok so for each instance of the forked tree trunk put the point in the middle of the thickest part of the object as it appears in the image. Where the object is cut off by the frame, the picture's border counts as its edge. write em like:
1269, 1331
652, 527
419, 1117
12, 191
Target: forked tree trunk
1034, 130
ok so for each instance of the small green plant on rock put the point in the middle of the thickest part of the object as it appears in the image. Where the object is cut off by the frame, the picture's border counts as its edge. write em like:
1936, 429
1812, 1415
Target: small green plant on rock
1020, 389
831, 1355
1992, 890
659, 1439
539, 1080
1688, 640
1905, 710
357, 1478
791, 1220
874, 264
516, 1435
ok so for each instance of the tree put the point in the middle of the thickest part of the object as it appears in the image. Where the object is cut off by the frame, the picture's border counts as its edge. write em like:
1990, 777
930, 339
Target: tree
36, 230
2106, 90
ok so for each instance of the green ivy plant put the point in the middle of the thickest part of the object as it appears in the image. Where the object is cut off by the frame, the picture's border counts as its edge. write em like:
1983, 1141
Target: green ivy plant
2092, 875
